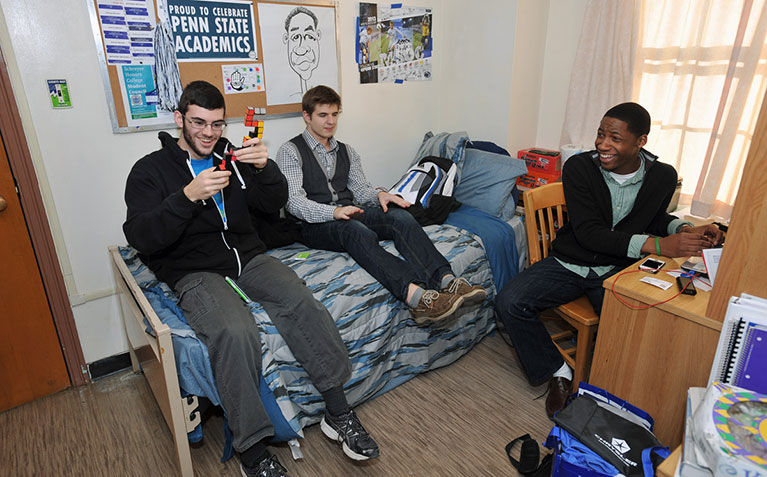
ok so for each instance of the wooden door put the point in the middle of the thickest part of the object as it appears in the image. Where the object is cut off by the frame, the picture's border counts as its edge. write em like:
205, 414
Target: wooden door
31, 360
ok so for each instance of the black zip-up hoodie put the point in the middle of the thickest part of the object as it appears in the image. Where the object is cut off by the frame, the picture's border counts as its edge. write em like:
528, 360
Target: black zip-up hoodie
589, 239
175, 236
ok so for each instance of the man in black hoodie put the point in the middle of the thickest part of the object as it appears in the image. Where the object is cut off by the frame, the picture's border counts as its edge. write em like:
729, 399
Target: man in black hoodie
190, 218
616, 196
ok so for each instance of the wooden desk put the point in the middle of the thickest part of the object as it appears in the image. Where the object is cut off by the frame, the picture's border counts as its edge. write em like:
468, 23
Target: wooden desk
668, 466
650, 357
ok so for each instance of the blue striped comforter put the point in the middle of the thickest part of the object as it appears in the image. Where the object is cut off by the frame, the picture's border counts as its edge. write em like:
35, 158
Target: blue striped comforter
385, 345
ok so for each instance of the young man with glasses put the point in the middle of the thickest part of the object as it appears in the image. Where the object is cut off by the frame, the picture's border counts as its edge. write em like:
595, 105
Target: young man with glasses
194, 228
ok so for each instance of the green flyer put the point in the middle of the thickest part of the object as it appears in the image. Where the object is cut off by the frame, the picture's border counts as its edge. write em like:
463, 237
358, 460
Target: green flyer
59, 92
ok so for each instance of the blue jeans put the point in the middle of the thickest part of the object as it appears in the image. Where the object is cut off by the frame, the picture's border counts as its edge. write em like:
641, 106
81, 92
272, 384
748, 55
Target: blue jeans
544, 285
359, 237
223, 321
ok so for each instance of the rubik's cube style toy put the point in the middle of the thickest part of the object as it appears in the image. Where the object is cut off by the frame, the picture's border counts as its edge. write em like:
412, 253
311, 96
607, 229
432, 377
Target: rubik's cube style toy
257, 125
258, 131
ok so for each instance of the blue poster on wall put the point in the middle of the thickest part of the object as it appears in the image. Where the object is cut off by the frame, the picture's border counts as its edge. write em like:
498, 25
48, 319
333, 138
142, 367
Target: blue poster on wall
213, 31
140, 90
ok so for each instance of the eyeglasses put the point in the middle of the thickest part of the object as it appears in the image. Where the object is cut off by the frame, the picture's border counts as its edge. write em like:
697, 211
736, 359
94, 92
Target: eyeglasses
199, 124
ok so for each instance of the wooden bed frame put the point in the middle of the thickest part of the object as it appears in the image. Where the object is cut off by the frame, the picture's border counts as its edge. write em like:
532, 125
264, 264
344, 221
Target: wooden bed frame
153, 355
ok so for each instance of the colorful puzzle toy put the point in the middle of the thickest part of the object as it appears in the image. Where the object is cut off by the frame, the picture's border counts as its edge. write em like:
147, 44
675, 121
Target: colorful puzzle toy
258, 131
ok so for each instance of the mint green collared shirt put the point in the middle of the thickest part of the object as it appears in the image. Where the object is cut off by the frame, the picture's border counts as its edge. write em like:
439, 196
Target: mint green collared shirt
623, 196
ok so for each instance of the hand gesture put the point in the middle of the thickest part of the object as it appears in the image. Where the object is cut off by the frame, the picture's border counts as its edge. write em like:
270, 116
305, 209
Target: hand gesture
384, 198
253, 152
346, 212
207, 184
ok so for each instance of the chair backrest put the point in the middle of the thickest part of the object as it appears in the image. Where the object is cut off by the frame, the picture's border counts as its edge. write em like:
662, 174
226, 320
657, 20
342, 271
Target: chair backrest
545, 214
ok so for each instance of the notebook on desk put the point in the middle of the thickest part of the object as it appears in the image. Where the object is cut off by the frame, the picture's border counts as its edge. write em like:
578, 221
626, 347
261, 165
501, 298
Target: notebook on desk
742, 348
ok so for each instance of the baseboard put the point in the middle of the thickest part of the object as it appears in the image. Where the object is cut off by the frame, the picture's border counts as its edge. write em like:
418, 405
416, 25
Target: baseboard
110, 365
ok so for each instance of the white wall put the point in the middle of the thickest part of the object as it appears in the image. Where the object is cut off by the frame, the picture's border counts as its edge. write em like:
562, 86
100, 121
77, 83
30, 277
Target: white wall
82, 165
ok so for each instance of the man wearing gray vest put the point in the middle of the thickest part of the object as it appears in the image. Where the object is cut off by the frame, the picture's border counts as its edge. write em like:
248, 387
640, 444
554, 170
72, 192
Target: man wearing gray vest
342, 212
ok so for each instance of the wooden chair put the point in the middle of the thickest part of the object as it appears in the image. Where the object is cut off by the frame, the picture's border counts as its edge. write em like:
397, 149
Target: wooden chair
545, 214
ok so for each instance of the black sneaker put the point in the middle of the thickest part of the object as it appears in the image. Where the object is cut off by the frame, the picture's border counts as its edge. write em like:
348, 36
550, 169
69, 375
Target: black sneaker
269, 467
347, 429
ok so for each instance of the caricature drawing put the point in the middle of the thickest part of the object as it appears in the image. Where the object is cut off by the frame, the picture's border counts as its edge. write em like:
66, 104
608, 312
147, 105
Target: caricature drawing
302, 37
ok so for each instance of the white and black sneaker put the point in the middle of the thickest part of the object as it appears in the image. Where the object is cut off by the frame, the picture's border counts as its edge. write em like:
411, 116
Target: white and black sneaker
269, 467
347, 429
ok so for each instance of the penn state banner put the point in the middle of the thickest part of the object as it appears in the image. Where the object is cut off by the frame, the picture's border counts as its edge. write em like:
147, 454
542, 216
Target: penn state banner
213, 31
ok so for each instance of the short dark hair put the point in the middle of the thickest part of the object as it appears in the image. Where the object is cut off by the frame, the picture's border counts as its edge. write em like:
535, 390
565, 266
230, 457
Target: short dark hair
202, 94
295, 12
634, 115
319, 95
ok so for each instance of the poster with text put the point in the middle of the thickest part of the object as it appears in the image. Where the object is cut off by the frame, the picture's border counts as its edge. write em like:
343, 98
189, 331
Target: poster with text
126, 27
139, 96
213, 31
394, 43
299, 45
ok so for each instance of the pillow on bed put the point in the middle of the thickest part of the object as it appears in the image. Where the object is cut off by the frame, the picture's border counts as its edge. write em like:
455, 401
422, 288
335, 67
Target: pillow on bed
487, 180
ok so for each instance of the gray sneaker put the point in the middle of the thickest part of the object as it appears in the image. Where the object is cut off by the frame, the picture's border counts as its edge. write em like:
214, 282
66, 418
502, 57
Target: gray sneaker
470, 293
435, 306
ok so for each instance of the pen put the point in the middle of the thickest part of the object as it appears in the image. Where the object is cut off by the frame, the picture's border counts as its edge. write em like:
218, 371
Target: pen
237, 289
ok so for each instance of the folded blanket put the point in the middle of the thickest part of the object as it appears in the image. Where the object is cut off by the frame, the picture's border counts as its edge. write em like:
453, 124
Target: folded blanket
497, 239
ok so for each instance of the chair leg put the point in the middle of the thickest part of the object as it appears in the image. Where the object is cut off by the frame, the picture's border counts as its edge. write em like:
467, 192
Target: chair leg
583, 351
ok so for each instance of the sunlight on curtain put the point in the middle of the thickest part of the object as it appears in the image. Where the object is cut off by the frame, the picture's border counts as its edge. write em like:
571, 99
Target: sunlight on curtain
700, 71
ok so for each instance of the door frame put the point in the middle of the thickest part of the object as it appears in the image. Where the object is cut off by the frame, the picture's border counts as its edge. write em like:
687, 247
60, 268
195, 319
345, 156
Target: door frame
39, 230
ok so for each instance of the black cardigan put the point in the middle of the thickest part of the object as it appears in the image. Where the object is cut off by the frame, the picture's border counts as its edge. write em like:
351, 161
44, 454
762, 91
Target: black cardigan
589, 239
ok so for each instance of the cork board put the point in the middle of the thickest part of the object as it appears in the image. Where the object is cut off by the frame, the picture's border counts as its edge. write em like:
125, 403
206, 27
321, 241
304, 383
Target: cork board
260, 54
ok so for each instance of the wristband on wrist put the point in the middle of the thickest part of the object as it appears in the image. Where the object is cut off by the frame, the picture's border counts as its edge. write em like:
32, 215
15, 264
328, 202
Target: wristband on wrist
657, 246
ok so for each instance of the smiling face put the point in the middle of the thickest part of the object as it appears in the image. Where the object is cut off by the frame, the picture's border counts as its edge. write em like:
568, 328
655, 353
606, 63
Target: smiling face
303, 40
199, 141
322, 122
618, 147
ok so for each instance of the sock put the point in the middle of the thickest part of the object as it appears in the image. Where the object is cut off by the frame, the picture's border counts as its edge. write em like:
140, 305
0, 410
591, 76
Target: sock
446, 280
564, 372
254, 454
335, 401
416, 298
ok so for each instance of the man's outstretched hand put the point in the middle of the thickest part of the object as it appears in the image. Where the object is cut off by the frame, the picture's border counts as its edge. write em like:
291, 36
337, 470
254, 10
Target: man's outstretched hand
384, 198
346, 212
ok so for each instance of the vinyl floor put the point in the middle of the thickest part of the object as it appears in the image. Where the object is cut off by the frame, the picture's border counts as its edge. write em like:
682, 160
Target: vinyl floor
454, 421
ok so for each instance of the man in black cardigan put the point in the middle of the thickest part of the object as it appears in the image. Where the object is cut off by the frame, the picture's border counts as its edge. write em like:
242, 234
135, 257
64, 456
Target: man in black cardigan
616, 196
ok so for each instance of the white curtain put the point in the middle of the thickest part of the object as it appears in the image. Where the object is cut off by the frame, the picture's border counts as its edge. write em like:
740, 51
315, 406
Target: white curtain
602, 74
700, 72
699, 67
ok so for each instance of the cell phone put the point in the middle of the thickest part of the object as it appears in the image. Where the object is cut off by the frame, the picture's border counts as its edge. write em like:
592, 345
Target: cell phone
685, 285
651, 265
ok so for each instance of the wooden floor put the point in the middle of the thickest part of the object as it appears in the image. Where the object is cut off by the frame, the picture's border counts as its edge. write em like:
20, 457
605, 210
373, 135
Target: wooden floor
454, 421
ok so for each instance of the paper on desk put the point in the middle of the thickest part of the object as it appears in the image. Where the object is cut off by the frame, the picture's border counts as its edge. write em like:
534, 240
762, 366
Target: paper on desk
711, 257
700, 283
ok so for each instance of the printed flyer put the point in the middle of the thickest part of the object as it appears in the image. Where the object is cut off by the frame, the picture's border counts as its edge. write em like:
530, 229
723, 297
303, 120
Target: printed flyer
394, 43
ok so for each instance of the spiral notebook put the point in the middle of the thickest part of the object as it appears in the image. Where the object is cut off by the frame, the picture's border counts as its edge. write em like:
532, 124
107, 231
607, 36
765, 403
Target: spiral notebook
742, 348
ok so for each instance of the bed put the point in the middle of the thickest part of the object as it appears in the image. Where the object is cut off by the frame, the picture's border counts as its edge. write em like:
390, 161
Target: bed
385, 345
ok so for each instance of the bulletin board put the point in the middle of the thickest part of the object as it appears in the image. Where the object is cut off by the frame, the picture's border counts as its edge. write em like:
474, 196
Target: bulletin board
260, 54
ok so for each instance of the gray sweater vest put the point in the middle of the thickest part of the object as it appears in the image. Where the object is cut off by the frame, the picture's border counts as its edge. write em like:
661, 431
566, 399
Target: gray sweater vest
318, 186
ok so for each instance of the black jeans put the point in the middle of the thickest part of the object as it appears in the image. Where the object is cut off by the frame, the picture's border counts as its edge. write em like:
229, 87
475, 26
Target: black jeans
544, 285
359, 237
222, 320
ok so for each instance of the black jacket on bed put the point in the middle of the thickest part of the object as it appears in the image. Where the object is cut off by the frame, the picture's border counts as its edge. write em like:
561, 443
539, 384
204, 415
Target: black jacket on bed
588, 238
175, 236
